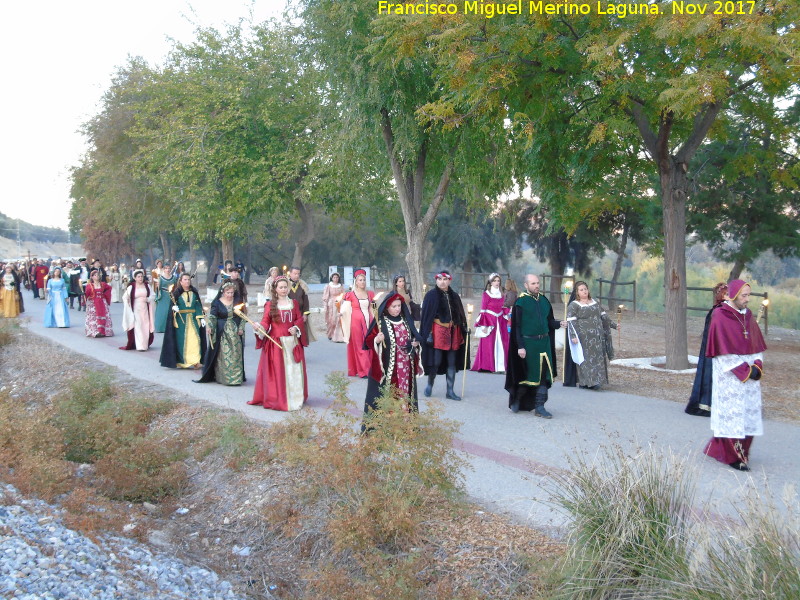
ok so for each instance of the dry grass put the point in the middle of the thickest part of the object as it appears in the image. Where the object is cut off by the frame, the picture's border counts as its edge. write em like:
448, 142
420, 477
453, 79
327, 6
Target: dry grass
305, 510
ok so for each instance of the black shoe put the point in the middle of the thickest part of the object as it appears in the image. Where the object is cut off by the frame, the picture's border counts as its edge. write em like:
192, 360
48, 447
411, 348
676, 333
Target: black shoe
515, 406
452, 395
740, 466
541, 411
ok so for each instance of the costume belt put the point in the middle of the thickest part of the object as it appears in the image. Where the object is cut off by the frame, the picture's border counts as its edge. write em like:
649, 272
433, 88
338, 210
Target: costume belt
494, 314
536, 337
189, 310
445, 325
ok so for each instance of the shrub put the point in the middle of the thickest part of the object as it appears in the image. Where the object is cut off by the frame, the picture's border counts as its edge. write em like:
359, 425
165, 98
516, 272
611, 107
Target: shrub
630, 522
31, 451
145, 470
236, 439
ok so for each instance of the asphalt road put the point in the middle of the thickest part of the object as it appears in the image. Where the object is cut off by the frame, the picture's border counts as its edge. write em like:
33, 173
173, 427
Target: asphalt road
510, 455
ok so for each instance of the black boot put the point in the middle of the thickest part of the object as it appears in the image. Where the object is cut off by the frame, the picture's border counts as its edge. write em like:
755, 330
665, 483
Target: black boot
541, 397
429, 387
521, 391
451, 380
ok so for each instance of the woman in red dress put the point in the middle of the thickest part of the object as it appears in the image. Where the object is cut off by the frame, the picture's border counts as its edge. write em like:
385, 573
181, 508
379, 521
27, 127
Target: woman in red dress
281, 382
356, 315
98, 301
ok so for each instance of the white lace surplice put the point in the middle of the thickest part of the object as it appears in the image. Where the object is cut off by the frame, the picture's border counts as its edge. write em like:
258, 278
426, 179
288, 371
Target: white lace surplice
735, 406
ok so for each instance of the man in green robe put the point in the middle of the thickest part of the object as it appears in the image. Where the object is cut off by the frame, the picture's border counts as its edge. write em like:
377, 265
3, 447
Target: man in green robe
531, 351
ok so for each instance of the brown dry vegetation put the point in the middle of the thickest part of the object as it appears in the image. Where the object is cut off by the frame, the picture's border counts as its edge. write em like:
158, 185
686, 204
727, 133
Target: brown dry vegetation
303, 509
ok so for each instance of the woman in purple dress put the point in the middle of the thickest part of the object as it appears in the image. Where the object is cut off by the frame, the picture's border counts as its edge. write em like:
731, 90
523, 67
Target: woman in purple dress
492, 329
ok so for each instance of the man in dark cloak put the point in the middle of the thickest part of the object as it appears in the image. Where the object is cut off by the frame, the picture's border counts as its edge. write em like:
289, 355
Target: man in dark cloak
443, 327
700, 399
531, 351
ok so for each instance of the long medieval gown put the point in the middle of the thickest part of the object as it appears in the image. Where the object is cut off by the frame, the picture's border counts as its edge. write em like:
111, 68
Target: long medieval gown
98, 311
394, 362
9, 296
592, 326
281, 382
356, 314
184, 343
115, 281
332, 323
138, 316
56, 313
163, 300
492, 349
224, 362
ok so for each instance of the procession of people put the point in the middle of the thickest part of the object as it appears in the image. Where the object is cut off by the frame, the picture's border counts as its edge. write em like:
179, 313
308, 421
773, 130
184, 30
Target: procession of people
390, 340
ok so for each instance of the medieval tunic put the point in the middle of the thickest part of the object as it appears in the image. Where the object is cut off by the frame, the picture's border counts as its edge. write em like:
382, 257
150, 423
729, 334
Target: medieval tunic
442, 326
281, 382
355, 316
532, 328
138, 316
592, 326
163, 300
224, 362
735, 344
493, 348
56, 313
184, 343
394, 362
98, 311
40, 272
329, 301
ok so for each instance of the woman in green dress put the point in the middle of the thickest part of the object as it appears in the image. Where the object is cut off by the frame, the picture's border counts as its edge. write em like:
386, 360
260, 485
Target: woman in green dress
184, 344
225, 358
165, 279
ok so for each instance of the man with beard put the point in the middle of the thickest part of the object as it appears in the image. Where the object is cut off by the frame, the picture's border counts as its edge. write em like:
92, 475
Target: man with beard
531, 351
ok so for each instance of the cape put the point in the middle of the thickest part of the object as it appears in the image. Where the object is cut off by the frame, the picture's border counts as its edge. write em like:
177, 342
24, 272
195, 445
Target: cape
725, 334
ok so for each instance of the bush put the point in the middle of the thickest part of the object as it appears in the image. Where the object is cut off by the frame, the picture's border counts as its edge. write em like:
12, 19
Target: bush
235, 438
634, 535
145, 470
630, 518
31, 451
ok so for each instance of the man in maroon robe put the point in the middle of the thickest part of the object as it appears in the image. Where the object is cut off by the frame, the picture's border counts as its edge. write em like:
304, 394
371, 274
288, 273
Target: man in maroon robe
40, 272
735, 346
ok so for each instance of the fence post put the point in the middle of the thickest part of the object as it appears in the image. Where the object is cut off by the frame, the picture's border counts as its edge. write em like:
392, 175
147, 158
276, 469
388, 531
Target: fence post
766, 315
634, 298
600, 295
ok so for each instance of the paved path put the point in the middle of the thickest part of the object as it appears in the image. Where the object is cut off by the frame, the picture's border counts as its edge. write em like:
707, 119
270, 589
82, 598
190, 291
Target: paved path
510, 454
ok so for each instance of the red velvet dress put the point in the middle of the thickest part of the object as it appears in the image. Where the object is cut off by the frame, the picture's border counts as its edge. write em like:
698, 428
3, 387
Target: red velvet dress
358, 359
273, 389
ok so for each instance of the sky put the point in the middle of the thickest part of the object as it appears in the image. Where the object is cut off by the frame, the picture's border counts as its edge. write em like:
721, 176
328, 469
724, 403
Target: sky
57, 60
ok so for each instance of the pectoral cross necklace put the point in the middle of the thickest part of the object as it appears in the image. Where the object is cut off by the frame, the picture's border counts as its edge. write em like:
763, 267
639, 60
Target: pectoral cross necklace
742, 323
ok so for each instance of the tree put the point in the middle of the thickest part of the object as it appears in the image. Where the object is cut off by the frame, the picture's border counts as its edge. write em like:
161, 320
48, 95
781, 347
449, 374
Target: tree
381, 76
746, 198
577, 83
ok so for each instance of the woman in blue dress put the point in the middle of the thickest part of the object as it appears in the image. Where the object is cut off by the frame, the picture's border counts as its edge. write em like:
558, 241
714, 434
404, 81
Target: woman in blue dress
56, 313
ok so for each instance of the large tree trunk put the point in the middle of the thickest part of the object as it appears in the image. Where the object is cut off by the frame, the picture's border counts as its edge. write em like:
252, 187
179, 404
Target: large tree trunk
165, 248
673, 201
248, 263
623, 243
227, 249
306, 234
737, 269
409, 181
212, 266
672, 171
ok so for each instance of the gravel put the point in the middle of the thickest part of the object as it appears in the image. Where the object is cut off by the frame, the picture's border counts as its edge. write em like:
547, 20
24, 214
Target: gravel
40, 559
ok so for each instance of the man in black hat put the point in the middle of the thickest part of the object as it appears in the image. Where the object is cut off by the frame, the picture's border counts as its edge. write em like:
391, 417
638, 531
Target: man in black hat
443, 327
